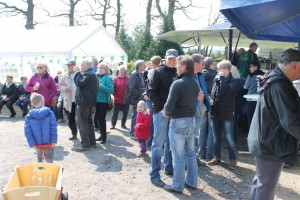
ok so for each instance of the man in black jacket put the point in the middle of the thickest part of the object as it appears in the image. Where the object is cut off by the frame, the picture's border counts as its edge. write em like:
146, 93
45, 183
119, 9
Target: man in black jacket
9, 95
275, 129
85, 99
158, 89
134, 91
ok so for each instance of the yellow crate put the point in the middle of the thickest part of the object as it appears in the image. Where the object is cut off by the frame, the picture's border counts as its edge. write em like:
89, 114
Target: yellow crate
36, 181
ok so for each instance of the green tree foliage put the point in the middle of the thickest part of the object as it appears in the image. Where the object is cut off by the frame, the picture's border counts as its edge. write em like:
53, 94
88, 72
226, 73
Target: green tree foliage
144, 46
126, 42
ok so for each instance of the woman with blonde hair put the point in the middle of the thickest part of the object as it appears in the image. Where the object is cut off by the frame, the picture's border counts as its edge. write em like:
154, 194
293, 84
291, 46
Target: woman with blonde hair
106, 88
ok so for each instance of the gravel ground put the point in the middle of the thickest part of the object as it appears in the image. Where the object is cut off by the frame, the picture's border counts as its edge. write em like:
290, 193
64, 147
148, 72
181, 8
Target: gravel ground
113, 171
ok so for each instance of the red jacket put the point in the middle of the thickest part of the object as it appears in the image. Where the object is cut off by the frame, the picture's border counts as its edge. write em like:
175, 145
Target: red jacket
120, 85
142, 126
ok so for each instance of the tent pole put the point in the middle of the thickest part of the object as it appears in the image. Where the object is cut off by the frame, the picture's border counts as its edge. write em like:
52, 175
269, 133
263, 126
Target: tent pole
22, 72
230, 44
199, 44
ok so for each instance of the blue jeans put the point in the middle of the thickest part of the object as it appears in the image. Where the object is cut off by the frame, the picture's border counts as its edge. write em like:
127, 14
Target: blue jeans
23, 104
197, 128
182, 141
226, 127
206, 138
133, 121
160, 138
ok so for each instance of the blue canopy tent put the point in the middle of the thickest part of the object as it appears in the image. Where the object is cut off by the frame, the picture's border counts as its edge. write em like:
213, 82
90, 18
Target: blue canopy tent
275, 20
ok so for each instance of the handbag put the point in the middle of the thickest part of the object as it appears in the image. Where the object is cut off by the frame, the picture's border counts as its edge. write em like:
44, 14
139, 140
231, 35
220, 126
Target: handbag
110, 105
52, 102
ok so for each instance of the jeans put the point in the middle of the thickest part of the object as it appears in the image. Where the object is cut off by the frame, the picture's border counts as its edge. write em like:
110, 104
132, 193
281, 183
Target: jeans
149, 143
23, 104
226, 127
160, 138
236, 129
266, 179
133, 120
251, 105
117, 108
182, 141
197, 129
206, 138
84, 117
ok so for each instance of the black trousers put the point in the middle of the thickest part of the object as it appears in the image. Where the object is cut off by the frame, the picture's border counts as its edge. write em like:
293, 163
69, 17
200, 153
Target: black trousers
117, 108
71, 118
9, 105
84, 117
101, 111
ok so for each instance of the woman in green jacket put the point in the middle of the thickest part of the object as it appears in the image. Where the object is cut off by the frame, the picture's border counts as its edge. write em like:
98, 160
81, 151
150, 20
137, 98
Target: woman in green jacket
106, 88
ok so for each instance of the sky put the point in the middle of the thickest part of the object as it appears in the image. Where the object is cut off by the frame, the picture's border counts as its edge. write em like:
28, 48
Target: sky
134, 13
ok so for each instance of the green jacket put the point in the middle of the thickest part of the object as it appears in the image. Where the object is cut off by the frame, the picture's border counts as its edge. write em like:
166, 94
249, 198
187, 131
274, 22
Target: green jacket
245, 60
106, 88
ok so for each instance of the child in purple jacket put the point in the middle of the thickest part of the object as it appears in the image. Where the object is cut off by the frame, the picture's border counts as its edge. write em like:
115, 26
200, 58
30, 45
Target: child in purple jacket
41, 129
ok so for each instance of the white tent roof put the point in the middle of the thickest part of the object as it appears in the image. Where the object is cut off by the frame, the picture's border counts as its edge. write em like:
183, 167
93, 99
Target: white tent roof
212, 36
67, 41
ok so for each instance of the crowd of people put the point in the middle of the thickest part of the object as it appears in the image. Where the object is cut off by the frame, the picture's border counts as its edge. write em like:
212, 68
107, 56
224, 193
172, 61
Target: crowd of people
181, 107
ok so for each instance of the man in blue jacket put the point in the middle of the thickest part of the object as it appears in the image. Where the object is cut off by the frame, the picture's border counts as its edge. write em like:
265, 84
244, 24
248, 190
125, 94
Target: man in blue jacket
275, 129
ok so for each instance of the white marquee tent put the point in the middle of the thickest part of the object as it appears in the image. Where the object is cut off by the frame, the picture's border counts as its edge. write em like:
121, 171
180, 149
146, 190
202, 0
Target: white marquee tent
20, 49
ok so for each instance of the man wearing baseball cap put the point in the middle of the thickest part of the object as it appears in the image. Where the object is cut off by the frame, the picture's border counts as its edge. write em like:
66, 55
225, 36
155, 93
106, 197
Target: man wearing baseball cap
67, 86
158, 89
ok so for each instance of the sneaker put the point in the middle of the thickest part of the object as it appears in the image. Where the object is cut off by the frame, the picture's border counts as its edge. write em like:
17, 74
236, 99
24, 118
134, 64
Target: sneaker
190, 187
171, 189
232, 164
112, 127
124, 126
73, 137
214, 161
99, 139
158, 183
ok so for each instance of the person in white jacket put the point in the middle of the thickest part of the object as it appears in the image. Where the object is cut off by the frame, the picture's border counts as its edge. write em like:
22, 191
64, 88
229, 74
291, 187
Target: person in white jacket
67, 88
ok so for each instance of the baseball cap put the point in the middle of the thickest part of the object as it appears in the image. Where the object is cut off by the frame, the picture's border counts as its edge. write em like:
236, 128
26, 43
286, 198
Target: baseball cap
171, 53
71, 62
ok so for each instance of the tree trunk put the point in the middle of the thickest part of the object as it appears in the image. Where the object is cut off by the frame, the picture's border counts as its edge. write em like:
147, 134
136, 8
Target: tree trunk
148, 15
118, 16
71, 14
168, 18
29, 15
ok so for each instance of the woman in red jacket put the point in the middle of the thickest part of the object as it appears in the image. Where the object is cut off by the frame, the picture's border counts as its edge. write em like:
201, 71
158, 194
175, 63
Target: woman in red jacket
142, 126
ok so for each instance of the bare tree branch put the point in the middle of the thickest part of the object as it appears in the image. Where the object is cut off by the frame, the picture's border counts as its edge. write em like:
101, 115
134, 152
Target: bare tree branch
159, 9
13, 9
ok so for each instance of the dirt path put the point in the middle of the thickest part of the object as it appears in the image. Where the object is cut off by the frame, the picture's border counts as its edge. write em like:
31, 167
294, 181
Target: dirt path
112, 171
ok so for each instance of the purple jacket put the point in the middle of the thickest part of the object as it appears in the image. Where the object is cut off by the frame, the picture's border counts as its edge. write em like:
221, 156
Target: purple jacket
48, 82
